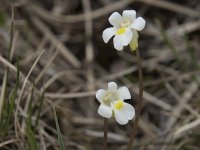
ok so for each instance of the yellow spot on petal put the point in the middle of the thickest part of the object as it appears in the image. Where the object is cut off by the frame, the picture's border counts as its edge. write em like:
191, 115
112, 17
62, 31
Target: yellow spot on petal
119, 105
121, 31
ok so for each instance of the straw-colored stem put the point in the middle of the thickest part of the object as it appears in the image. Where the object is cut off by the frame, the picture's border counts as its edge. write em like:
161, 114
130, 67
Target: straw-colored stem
105, 141
139, 102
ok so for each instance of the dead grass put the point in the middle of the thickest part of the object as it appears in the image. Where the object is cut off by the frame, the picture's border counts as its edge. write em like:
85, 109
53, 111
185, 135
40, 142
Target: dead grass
61, 53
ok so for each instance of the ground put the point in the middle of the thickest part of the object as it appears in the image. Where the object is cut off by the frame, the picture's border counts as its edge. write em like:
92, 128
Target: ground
53, 60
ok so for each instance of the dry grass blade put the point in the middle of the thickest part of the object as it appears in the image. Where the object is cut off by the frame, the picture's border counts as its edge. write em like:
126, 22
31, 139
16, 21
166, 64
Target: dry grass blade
77, 18
61, 48
77, 62
186, 128
8, 142
172, 6
70, 95
187, 94
107, 9
3, 93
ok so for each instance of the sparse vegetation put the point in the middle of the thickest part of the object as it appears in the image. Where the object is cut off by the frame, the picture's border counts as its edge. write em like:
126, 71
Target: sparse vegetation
53, 59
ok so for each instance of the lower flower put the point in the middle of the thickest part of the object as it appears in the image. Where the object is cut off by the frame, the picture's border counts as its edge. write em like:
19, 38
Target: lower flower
113, 105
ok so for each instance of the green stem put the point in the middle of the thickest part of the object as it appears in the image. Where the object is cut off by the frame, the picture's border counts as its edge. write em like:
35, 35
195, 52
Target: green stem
139, 102
105, 141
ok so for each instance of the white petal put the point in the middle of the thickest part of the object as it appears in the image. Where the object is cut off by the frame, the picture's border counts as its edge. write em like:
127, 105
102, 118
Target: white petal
114, 19
118, 43
129, 14
124, 93
105, 111
139, 24
100, 94
126, 37
107, 34
120, 118
125, 114
112, 86
128, 111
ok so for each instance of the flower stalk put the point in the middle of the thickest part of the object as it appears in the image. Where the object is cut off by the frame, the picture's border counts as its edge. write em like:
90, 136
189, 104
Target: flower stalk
105, 141
140, 99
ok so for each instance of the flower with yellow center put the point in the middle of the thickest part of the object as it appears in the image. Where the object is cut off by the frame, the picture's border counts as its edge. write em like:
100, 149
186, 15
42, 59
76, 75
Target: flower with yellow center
119, 105
124, 29
112, 103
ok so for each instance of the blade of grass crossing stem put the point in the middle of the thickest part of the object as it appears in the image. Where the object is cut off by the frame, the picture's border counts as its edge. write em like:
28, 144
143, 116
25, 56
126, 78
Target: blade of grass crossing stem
30, 136
30, 105
60, 139
41, 100
11, 103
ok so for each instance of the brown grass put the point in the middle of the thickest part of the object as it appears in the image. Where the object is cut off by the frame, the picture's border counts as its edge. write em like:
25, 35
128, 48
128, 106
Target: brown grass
61, 52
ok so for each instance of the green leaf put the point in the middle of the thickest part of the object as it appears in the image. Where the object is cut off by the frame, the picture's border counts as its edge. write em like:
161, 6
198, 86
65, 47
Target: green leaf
11, 104
41, 100
30, 136
60, 139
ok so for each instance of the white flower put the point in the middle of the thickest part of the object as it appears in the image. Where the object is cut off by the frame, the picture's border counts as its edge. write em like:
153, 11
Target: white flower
124, 28
112, 103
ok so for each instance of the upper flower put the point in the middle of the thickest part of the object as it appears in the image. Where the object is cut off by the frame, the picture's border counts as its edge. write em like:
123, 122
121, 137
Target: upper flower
112, 103
124, 28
